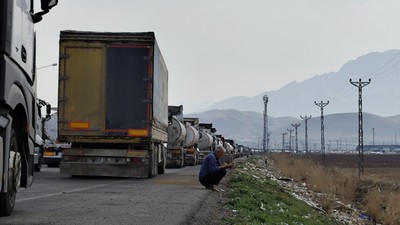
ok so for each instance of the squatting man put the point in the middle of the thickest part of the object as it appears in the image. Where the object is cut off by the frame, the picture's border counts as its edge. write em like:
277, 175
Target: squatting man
212, 170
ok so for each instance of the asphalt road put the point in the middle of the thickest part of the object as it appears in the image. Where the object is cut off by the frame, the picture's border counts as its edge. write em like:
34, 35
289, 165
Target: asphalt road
171, 198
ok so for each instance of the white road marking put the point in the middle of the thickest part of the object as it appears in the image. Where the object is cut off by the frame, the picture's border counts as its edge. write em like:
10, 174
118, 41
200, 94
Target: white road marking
65, 192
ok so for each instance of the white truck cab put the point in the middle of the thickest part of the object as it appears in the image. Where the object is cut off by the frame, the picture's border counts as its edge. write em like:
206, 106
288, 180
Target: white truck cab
17, 96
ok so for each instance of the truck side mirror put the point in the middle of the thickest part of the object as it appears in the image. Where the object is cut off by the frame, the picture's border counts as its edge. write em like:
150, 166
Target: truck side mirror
48, 109
46, 5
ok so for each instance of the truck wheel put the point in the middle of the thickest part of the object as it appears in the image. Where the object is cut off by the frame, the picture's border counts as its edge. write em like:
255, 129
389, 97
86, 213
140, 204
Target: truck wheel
179, 164
7, 200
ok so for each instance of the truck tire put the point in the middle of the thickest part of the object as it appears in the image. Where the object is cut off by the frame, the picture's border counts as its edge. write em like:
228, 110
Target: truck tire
7, 200
180, 163
195, 160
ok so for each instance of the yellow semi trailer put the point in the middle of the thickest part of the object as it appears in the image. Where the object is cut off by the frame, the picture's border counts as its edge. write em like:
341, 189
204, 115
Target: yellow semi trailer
113, 104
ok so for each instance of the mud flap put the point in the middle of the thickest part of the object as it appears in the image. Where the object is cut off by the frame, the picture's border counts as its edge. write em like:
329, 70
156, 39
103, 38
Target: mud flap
162, 159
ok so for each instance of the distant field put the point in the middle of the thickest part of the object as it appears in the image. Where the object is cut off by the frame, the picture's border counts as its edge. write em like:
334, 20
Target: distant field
351, 160
378, 167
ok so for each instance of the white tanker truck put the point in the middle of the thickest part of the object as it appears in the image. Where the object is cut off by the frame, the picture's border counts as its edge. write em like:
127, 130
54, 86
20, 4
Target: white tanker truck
206, 141
191, 140
230, 150
176, 136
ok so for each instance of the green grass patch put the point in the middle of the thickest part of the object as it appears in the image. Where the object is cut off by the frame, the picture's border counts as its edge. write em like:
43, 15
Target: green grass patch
255, 199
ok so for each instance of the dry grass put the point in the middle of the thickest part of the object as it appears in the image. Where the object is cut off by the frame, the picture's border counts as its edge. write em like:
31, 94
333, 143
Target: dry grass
383, 205
341, 183
376, 192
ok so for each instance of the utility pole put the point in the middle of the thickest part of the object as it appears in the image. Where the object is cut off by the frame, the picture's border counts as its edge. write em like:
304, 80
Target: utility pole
296, 125
337, 145
329, 146
322, 105
283, 141
290, 139
305, 118
265, 139
360, 84
373, 138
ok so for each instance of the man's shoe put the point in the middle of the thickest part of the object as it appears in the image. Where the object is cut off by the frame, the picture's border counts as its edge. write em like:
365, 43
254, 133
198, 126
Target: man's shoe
211, 187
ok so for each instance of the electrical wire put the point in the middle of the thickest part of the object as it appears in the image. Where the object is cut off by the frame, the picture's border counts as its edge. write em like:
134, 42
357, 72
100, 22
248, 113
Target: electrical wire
345, 90
371, 74
381, 74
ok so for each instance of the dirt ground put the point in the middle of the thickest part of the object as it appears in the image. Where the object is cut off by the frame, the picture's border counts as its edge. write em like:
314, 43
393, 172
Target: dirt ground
214, 208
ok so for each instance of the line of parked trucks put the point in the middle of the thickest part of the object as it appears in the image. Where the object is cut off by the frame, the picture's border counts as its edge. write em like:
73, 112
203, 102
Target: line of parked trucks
113, 109
112, 117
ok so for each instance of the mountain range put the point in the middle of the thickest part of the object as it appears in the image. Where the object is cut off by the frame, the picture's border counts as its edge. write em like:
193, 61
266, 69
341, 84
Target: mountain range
379, 97
241, 118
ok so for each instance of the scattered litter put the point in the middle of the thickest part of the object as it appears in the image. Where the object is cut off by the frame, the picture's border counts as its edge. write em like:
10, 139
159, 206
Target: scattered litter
262, 207
284, 179
364, 216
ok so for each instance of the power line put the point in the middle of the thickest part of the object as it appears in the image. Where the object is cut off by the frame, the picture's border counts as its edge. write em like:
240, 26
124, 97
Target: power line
385, 75
371, 74
381, 73
341, 95
345, 91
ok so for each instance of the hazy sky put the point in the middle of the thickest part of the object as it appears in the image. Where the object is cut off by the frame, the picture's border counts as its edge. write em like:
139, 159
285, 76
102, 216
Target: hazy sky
215, 49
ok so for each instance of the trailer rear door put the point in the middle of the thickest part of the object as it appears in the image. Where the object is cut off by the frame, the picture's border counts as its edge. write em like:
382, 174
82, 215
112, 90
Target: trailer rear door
81, 90
128, 87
